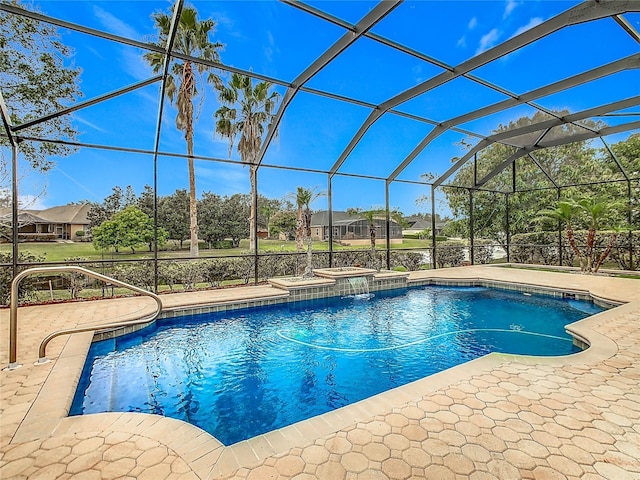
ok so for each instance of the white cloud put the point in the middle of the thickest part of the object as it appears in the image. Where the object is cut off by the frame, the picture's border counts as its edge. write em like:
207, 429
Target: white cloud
488, 40
114, 24
510, 7
472, 23
462, 42
78, 118
532, 23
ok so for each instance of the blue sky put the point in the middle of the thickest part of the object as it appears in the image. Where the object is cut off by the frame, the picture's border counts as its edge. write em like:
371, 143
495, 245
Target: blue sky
280, 41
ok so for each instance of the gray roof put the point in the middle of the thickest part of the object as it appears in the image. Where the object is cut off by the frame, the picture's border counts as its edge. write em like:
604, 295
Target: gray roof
73, 214
24, 218
322, 217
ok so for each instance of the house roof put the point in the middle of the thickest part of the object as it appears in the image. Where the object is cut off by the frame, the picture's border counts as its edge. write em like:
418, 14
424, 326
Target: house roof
417, 223
321, 218
24, 218
76, 214
73, 214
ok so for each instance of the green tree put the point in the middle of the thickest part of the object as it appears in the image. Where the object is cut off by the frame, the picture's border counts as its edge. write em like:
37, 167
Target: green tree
236, 211
127, 229
37, 80
267, 207
569, 164
211, 211
145, 202
283, 222
173, 215
100, 212
245, 112
192, 38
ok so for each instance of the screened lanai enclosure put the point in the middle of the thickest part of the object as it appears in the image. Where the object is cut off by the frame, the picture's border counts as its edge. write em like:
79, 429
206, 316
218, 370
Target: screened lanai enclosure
172, 142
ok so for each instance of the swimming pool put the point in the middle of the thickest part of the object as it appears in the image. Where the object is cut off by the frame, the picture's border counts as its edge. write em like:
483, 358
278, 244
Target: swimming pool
246, 372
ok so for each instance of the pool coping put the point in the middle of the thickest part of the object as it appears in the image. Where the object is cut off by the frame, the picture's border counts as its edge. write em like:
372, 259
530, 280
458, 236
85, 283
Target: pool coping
207, 456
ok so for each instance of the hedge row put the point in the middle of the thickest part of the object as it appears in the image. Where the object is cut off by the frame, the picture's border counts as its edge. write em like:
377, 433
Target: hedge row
542, 248
187, 275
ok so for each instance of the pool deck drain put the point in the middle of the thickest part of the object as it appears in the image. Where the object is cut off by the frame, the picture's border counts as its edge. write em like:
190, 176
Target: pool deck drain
498, 417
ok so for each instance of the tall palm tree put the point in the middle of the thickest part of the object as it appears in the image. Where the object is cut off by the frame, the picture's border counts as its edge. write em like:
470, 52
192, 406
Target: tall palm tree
246, 110
192, 38
304, 199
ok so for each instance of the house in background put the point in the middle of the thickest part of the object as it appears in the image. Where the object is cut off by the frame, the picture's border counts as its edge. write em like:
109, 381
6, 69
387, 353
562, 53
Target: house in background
352, 230
55, 223
417, 225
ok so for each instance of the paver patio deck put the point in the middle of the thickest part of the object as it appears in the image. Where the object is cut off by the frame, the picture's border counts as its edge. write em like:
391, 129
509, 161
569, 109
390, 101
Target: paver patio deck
498, 417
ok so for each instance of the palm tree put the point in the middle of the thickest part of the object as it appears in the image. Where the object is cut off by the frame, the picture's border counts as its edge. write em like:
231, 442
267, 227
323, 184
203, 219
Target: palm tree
192, 38
304, 199
590, 213
245, 111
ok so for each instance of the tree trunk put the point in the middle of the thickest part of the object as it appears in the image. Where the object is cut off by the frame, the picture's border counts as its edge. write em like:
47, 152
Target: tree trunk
252, 210
591, 239
574, 247
299, 230
607, 251
193, 206
308, 270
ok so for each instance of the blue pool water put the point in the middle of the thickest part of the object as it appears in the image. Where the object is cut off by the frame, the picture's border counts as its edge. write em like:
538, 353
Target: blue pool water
242, 373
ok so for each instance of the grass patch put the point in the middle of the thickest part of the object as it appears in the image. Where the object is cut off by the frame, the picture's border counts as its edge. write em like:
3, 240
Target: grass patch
57, 252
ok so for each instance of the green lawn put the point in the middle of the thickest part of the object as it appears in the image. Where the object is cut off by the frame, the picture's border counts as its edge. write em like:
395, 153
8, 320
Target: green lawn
58, 252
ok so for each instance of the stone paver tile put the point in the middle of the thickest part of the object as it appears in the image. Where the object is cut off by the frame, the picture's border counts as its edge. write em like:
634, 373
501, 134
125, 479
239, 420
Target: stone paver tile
435, 447
330, 471
533, 448
359, 436
156, 472
412, 412
290, 465
315, 455
153, 456
610, 471
519, 459
338, 445
354, 462
458, 464
452, 437
84, 462
379, 427
396, 442
376, 452
502, 469
414, 432
416, 457
396, 468
440, 472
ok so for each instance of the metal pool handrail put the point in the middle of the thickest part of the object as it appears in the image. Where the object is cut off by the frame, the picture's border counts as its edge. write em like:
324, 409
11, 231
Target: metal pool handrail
13, 315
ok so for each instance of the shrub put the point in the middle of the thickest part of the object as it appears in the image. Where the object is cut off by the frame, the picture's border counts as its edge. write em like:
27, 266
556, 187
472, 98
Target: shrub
482, 251
27, 287
450, 253
215, 271
627, 249
538, 248
75, 282
139, 274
